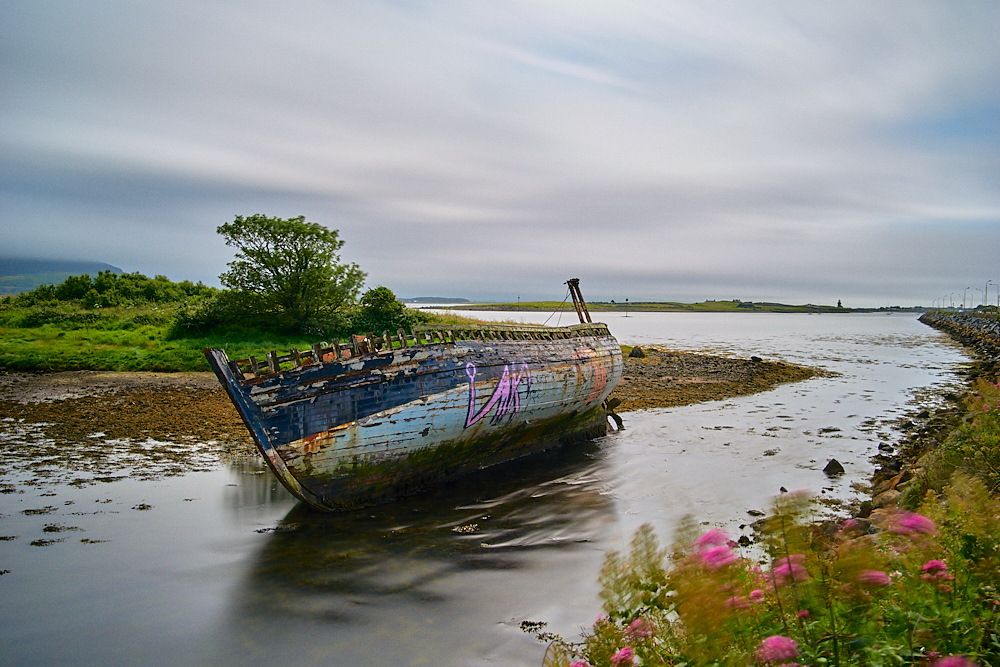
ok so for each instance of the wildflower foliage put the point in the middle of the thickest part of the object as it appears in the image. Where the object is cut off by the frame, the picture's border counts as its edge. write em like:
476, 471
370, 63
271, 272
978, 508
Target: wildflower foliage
902, 589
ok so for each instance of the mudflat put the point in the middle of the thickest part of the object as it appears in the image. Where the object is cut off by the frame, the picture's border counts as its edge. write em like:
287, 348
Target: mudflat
75, 405
667, 378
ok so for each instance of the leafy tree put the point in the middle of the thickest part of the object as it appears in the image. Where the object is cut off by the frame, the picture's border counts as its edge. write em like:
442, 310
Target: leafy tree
287, 271
380, 311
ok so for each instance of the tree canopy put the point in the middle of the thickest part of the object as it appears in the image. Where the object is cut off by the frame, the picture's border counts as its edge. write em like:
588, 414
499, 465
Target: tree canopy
288, 269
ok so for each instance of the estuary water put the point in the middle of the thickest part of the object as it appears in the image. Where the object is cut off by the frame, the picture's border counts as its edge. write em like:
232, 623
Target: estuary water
223, 566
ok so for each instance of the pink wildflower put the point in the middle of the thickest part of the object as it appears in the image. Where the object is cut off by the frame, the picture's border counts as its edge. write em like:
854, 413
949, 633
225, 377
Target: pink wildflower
790, 569
934, 567
623, 656
777, 649
873, 578
908, 523
954, 661
757, 596
579, 663
803, 613
717, 557
937, 571
640, 628
712, 538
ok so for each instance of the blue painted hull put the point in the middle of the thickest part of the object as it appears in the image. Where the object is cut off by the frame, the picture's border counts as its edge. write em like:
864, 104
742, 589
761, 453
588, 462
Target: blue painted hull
347, 432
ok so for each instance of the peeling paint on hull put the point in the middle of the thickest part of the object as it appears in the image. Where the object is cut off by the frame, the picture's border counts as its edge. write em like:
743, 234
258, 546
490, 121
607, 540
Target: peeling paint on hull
374, 427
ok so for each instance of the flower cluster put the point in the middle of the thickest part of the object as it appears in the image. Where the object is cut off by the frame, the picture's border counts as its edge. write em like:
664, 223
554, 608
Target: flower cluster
866, 592
777, 649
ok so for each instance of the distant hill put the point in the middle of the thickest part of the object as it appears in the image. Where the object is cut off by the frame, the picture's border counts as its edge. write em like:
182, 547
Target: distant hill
435, 299
24, 275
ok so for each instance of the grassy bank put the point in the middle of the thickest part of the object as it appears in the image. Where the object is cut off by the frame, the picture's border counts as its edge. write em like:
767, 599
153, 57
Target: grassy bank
134, 338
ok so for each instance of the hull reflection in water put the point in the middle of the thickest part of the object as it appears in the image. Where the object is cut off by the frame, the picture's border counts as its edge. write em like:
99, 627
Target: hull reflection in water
405, 565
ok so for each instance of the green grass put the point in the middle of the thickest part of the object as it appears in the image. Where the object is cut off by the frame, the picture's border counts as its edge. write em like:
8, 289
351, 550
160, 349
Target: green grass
68, 337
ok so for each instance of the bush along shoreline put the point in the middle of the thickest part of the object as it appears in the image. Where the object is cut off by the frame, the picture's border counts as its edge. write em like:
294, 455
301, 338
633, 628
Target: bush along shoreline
911, 579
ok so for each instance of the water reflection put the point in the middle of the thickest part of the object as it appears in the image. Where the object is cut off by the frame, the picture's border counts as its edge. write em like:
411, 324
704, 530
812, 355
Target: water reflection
422, 557
398, 549
256, 488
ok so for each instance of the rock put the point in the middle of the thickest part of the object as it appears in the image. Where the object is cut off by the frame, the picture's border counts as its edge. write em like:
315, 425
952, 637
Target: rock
865, 510
755, 513
637, 353
744, 541
887, 499
884, 485
833, 468
756, 359
885, 447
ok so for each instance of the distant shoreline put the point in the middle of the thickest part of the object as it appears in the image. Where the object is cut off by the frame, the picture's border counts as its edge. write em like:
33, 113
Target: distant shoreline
674, 307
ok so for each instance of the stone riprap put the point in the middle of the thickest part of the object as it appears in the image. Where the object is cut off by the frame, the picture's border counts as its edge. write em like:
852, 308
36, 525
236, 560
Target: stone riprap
979, 331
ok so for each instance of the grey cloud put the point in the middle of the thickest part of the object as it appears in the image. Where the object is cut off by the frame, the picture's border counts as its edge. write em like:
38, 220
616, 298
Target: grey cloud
696, 149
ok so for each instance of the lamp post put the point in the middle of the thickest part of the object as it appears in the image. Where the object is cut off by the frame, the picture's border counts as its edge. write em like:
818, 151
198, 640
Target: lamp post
986, 294
984, 297
964, 294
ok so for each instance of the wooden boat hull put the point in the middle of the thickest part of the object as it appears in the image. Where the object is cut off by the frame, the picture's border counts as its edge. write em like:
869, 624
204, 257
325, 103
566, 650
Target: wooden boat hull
355, 431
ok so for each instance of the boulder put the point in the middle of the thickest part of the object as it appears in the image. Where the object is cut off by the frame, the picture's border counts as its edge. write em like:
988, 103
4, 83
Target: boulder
637, 353
887, 499
834, 468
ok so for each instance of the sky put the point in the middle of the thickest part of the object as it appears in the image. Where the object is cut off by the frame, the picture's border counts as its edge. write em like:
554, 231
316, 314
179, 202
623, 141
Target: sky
770, 151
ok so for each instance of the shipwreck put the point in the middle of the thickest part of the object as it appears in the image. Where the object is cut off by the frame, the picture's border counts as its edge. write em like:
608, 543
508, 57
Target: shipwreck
384, 416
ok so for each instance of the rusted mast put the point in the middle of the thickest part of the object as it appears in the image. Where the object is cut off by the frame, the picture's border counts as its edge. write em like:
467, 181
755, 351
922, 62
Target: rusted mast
578, 302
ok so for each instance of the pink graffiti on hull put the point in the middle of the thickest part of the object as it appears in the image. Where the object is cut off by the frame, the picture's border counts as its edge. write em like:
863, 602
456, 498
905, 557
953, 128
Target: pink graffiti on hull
505, 397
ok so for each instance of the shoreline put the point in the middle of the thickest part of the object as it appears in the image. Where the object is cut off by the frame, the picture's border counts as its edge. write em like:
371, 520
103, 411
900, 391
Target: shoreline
900, 473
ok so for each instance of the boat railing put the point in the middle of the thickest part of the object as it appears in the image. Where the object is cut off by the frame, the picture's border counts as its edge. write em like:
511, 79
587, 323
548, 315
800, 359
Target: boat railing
357, 345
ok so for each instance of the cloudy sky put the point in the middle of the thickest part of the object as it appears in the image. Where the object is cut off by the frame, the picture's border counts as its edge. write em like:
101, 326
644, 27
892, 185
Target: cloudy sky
801, 152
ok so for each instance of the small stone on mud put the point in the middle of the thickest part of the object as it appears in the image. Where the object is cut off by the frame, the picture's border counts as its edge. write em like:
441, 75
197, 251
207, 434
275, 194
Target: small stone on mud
755, 513
142, 507
834, 468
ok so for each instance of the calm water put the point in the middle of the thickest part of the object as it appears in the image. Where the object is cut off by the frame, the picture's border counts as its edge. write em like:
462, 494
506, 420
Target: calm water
224, 567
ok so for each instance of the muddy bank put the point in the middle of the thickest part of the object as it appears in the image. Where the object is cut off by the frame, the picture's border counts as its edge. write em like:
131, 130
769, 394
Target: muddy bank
86, 427
666, 378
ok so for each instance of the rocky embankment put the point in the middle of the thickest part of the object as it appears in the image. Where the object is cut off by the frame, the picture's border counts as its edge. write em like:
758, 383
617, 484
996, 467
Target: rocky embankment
980, 332
926, 430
